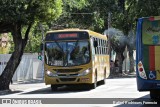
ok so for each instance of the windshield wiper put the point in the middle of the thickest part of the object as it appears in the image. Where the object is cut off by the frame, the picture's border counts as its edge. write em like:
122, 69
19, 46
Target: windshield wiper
59, 46
61, 49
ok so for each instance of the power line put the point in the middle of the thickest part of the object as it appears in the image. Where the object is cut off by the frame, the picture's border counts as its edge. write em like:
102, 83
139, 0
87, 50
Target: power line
81, 13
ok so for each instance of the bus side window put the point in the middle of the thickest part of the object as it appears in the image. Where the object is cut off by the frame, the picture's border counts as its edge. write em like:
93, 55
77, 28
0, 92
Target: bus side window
107, 48
95, 45
92, 46
103, 47
100, 47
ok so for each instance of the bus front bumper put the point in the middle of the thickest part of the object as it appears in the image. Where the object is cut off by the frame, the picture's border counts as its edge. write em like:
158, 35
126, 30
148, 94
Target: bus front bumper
69, 80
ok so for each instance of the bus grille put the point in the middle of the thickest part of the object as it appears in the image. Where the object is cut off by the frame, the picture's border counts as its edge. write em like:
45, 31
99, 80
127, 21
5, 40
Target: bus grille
67, 70
68, 74
67, 79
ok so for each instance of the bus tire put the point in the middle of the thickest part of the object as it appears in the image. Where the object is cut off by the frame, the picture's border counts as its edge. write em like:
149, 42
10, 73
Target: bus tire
54, 87
94, 85
154, 94
103, 81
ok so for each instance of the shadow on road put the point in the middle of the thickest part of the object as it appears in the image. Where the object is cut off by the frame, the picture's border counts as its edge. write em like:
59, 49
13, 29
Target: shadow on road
8, 92
61, 90
64, 89
34, 81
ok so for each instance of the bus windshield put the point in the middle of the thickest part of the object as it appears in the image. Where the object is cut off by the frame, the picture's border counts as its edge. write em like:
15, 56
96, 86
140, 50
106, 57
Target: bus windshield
67, 53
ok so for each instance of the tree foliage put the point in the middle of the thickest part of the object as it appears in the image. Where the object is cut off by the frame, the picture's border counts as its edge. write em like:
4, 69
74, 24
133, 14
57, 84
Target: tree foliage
24, 11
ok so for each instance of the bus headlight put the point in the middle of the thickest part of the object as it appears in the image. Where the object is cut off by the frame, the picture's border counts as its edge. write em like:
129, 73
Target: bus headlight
51, 74
87, 71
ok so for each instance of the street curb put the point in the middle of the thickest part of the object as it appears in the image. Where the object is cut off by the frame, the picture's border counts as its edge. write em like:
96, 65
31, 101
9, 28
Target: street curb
4, 92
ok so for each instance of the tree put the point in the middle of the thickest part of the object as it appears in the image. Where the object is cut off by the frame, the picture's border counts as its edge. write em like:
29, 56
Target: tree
118, 43
92, 16
135, 9
35, 38
71, 15
131, 47
19, 15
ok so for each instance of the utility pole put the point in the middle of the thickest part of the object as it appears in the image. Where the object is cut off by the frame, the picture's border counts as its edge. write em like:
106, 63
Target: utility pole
109, 43
109, 20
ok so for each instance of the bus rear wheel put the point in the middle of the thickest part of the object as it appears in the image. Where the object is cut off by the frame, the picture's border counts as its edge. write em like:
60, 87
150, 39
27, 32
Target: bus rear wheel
104, 78
54, 87
154, 94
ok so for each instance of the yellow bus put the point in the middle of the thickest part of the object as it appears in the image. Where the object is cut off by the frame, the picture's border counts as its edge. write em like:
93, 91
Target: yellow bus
75, 56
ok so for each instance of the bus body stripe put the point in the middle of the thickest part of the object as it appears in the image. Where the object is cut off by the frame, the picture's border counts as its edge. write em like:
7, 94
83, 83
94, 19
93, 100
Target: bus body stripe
152, 58
146, 59
157, 61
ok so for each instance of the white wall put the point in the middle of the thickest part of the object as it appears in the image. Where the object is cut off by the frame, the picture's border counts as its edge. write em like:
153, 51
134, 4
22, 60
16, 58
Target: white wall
30, 67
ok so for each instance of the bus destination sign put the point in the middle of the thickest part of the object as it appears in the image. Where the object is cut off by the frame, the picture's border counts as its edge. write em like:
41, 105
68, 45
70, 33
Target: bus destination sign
67, 35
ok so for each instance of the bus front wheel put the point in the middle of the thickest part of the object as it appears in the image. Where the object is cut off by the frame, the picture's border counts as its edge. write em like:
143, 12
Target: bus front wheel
94, 85
154, 94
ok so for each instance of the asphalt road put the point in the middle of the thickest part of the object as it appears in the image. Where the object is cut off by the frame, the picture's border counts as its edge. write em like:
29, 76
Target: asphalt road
118, 92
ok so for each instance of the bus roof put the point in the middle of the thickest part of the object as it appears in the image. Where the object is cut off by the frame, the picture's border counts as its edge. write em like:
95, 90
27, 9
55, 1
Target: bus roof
151, 18
92, 33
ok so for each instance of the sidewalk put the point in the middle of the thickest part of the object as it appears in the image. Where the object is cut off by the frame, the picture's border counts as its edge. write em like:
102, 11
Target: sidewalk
124, 75
22, 86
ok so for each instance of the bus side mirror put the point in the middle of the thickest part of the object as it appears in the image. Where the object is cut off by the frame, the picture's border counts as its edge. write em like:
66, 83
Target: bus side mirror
95, 44
40, 56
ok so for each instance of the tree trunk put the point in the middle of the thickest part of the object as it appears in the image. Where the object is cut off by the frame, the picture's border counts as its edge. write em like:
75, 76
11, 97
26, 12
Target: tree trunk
131, 61
11, 67
19, 45
120, 58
